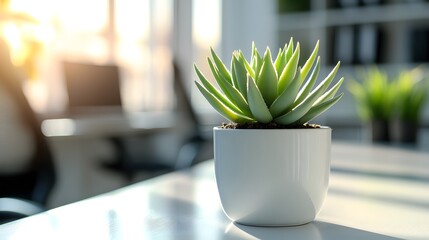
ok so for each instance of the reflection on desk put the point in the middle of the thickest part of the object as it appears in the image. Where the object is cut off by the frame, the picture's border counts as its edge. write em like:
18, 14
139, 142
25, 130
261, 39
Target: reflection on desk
108, 124
370, 197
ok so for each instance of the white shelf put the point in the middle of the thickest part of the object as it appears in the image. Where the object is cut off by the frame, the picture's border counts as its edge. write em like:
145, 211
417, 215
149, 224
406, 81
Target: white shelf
356, 15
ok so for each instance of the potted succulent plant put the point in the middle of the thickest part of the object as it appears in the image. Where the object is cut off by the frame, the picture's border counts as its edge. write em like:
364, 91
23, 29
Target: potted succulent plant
271, 166
411, 93
375, 98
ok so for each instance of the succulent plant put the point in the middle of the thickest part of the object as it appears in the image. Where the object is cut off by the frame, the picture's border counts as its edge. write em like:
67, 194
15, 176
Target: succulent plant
267, 91
411, 92
374, 94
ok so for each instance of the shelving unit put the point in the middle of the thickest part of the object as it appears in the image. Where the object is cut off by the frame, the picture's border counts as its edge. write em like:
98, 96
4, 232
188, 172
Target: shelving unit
391, 33
393, 24
391, 13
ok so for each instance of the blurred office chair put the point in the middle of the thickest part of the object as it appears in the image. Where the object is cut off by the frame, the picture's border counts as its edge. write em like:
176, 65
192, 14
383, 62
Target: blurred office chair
33, 177
12, 209
189, 141
195, 139
95, 90
84, 84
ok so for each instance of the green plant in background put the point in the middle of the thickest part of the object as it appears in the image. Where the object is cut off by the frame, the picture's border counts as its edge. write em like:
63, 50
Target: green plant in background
411, 93
394, 107
374, 94
267, 91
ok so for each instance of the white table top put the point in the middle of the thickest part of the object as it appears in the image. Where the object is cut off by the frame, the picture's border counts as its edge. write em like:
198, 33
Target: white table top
108, 124
375, 193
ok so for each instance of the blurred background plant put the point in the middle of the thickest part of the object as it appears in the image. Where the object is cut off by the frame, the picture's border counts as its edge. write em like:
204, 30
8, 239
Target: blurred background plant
392, 106
411, 90
375, 100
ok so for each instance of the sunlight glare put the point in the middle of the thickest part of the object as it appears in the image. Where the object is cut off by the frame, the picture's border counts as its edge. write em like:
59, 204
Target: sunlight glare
83, 15
132, 19
13, 38
206, 23
41, 10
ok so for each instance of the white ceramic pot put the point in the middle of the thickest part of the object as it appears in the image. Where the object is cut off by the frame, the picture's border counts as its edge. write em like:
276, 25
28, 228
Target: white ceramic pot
272, 177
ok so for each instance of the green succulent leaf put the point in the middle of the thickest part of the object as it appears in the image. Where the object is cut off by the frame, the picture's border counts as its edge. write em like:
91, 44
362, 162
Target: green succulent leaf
256, 62
231, 93
220, 80
234, 79
305, 90
238, 99
310, 61
267, 80
221, 108
280, 61
330, 93
284, 102
246, 64
223, 71
318, 109
214, 91
238, 71
257, 104
257, 65
300, 110
326, 82
289, 71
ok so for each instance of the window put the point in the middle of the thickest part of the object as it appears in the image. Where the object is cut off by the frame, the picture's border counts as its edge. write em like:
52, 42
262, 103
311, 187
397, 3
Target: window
134, 34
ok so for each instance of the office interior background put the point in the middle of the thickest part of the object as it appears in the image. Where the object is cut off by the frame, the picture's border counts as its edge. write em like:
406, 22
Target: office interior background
144, 37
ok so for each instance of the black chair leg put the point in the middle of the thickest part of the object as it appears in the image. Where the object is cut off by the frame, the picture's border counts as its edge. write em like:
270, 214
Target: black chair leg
121, 163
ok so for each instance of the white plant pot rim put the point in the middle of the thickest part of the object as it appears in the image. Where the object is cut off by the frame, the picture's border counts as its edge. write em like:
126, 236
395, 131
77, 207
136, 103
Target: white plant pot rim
320, 127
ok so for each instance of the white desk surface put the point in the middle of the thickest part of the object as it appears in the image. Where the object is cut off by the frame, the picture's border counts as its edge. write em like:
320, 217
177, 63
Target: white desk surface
375, 193
109, 124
